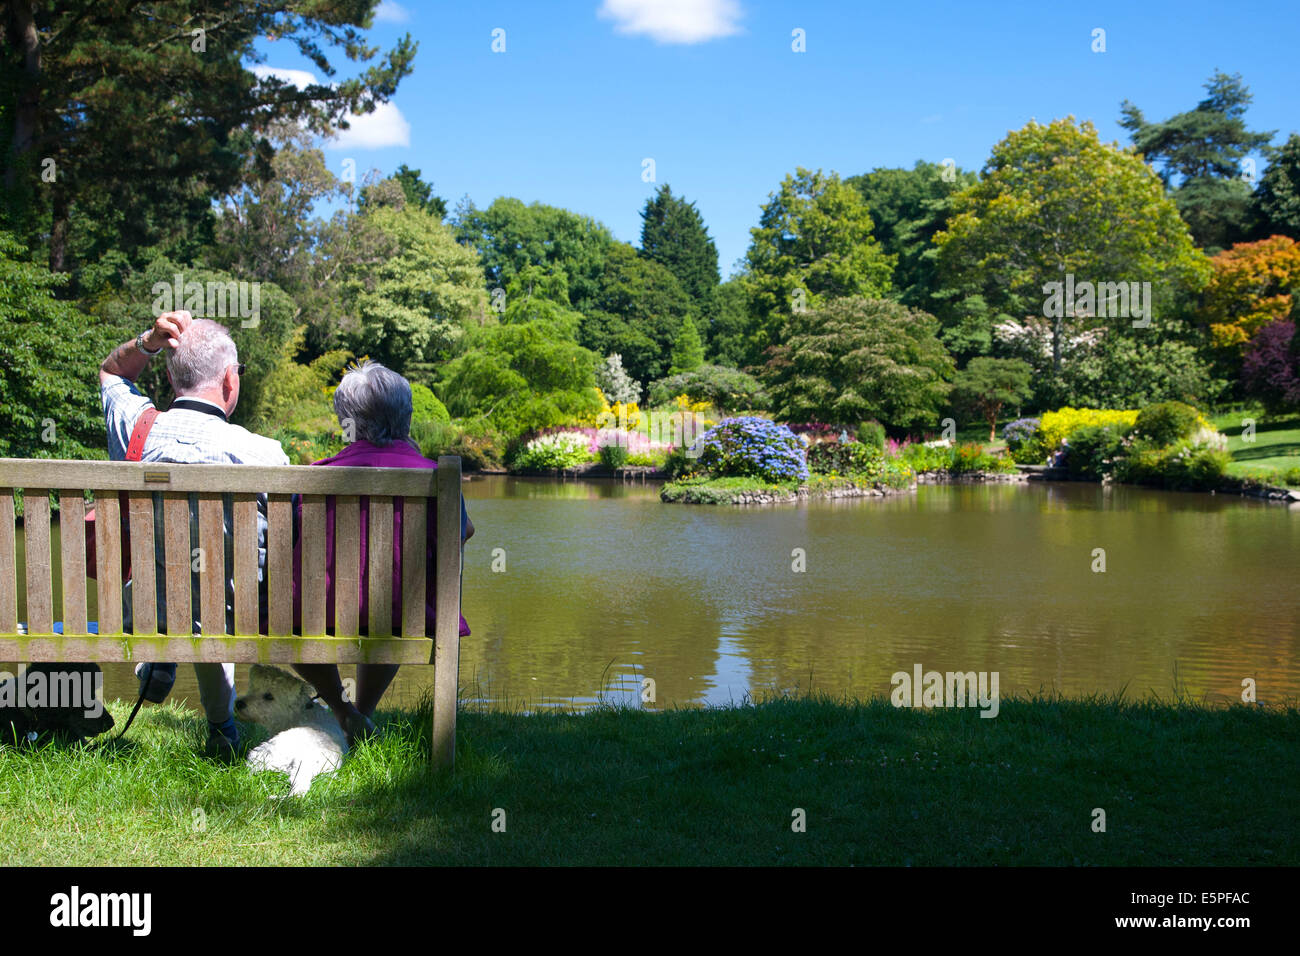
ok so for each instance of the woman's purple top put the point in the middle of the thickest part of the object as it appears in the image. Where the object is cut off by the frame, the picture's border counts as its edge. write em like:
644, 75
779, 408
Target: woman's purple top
362, 454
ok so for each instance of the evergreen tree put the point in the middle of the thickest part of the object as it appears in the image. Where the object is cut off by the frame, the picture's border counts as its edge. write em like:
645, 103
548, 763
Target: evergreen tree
688, 349
1276, 201
129, 118
673, 234
1199, 153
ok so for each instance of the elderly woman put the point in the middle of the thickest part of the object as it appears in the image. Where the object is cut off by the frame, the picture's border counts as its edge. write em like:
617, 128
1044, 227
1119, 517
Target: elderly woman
376, 403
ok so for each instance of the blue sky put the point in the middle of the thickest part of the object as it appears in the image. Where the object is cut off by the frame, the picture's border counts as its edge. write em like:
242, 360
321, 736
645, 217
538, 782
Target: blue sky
712, 91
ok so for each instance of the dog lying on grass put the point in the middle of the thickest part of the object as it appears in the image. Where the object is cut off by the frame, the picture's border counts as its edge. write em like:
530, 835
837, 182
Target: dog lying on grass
50, 702
306, 738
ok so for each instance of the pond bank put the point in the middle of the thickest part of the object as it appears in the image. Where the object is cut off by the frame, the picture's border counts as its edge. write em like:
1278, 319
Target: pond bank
1180, 784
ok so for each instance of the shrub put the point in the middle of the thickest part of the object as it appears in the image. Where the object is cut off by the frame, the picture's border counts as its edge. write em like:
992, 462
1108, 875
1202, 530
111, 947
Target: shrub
726, 389
1024, 441
896, 473
425, 406
755, 448
1095, 451
814, 432
557, 450
920, 457
652, 459
1054, 426
852, 459
480, 445
1270, 367
678, 463
1189, 467
872, 433
613, 455
1167, 422
435, 438
971, 458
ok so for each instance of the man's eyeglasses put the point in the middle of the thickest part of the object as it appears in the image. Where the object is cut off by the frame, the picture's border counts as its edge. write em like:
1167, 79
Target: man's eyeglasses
239, 368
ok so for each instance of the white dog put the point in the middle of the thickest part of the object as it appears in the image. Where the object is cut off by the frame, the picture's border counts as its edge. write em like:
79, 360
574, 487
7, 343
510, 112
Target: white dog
307, 739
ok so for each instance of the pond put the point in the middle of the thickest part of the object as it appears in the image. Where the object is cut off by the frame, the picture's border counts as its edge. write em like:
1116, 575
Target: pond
598, 585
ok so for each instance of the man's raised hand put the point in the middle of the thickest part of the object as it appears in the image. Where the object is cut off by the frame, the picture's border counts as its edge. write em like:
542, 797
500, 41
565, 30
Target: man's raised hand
168, 329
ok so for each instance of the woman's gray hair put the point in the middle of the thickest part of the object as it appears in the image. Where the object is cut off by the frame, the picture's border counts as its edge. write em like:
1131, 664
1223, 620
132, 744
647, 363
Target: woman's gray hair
206, 350
377, 402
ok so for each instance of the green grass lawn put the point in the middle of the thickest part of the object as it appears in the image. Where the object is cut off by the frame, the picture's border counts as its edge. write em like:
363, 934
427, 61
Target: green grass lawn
1181, 784
1276, 445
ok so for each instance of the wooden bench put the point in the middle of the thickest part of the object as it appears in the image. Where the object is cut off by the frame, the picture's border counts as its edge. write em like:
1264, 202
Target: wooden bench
271, 641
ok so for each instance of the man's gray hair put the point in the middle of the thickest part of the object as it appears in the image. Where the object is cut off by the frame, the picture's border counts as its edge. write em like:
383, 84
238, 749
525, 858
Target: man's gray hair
377, 401
205, 352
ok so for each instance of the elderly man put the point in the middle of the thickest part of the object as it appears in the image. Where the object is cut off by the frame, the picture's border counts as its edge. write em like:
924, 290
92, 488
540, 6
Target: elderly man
203, 368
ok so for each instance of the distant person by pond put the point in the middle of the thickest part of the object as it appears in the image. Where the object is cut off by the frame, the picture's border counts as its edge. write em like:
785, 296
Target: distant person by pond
375, 403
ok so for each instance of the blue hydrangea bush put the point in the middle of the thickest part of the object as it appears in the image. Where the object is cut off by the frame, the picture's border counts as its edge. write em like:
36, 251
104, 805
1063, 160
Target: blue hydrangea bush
753, 448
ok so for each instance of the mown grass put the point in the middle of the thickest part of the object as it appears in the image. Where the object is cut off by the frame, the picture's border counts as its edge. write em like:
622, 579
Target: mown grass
1274, 451
1181, 784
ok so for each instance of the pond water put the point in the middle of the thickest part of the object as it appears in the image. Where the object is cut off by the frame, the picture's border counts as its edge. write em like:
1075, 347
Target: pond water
600, 585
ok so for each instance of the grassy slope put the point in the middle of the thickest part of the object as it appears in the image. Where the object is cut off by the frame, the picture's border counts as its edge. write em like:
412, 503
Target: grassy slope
1276, 445
1180, 785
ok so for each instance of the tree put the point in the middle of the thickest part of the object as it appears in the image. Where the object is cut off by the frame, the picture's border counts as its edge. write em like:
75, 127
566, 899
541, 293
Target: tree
411, 307
908, 206
636, 310
615, 383
520, 377
731, 327
688, 350
1270, 369
1276, 203
1200, 153
419, 193
49, 351
1055, 202
673, 234
858, 359
1253, 284
813, 243
985, 385
510, 235
142, 113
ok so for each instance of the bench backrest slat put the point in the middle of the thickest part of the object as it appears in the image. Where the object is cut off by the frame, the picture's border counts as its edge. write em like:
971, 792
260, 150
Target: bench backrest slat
72, 544
177, 563
144, 575
36, 539
381, 565
245, 542
313, 565
415, 515
212, 565
8, 564
108, 561
347, 564
279, 564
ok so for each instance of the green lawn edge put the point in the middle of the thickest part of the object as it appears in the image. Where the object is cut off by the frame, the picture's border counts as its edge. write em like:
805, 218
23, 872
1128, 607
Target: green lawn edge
1180, 783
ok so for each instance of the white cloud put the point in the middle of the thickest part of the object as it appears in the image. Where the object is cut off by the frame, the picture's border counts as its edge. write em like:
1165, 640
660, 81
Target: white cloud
386, 126
298, 78
674, 21
390, 12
